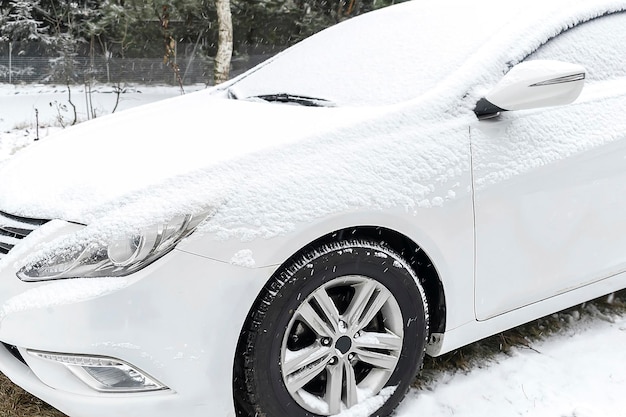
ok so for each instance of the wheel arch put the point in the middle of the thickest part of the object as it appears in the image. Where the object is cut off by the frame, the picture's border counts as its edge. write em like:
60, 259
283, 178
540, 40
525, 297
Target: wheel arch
417, 258
247, 401
399, 243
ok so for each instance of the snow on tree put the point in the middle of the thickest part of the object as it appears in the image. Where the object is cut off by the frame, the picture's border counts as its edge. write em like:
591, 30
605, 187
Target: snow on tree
209, 30
18, 24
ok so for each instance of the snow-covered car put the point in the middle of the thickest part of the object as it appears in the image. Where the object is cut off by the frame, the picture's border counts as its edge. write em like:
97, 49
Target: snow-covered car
291, 243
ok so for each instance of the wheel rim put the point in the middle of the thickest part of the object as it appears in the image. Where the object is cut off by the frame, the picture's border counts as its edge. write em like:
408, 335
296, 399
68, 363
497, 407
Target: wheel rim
342, 344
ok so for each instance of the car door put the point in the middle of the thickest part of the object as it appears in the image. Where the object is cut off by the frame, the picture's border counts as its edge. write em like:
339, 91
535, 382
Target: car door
550, 184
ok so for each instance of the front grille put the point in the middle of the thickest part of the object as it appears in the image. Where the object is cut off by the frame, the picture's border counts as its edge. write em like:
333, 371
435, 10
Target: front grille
15, 228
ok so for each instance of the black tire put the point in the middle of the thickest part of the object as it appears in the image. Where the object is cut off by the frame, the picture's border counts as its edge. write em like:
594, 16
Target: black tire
278, 336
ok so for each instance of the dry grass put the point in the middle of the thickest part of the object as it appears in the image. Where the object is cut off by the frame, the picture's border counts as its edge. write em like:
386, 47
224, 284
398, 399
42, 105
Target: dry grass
15, 402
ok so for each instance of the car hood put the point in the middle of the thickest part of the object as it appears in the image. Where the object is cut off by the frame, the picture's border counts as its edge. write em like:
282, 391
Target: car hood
74, 173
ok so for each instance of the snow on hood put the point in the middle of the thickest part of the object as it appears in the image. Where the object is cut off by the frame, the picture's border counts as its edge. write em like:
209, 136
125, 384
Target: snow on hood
74, 174
269, 168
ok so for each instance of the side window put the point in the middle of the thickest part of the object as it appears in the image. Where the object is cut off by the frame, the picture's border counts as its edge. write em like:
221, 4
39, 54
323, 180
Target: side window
599, 45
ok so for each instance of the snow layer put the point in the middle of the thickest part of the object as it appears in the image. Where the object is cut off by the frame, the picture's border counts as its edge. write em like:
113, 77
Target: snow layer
579, 373
17, 139
366, 407
265, 168
243, 258
418, 46
20, 103
27, 244
264, 192
605, 60
98, 162
565, 134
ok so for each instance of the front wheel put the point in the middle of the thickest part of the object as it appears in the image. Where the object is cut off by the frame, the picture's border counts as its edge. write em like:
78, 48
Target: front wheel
343, 326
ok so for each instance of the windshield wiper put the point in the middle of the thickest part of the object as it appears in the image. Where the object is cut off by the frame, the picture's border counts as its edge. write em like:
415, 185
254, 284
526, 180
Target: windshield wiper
231, 94
295, 99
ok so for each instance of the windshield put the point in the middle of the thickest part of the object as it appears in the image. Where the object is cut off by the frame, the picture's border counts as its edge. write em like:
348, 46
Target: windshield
385, 57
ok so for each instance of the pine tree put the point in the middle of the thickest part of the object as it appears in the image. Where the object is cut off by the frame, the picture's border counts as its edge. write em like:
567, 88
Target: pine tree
19, 25
18, 28
64, 18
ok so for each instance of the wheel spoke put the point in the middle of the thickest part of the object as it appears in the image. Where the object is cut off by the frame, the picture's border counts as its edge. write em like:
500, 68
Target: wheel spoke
301, 359
366, 304
351, 395
306, 370
334, 388
383, 341
362, 295
376, 359
328, 308
314, 321
378, 300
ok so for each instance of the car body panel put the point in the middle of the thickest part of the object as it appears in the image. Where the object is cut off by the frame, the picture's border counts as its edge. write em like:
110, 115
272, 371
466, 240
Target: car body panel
549, 207
439, 238
477, 330
152, 321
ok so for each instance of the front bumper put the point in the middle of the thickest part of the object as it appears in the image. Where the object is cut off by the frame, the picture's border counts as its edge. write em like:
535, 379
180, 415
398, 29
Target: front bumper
178, 320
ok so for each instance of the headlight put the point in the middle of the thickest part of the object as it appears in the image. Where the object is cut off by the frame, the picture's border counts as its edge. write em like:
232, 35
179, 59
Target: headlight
118, 258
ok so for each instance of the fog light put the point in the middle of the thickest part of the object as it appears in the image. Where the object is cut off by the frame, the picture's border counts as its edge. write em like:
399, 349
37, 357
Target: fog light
104, 374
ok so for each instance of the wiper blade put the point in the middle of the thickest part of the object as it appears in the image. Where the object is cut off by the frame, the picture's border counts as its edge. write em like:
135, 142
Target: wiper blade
295, 99
231, 94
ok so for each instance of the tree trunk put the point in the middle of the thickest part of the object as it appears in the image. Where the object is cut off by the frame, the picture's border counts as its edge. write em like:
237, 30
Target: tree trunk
225, 41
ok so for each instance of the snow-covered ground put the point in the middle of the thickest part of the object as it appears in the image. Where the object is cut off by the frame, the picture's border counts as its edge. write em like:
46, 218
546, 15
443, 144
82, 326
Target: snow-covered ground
580, 372
23, 107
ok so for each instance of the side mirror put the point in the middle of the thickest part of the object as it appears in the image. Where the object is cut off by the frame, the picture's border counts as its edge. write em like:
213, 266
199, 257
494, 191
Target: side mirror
533, 84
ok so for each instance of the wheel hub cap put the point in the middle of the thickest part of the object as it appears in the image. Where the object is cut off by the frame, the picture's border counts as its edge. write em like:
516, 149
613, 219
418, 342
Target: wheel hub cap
346, 337
344, 344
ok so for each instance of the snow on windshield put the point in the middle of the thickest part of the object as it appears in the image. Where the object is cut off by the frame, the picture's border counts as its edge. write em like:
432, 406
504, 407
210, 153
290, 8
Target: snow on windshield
402, 52
390, 56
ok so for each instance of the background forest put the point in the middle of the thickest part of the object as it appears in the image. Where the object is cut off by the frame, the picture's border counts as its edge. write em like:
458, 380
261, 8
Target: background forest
178, 29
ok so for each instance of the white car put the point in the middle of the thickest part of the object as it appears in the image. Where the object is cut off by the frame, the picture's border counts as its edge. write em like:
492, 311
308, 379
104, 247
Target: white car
292, 243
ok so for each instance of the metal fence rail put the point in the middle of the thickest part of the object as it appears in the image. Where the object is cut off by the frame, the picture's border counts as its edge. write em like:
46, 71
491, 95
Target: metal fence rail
20, 69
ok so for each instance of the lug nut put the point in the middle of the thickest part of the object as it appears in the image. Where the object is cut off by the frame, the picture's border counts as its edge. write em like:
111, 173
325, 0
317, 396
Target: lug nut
333, 360
326, 341
351, 356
